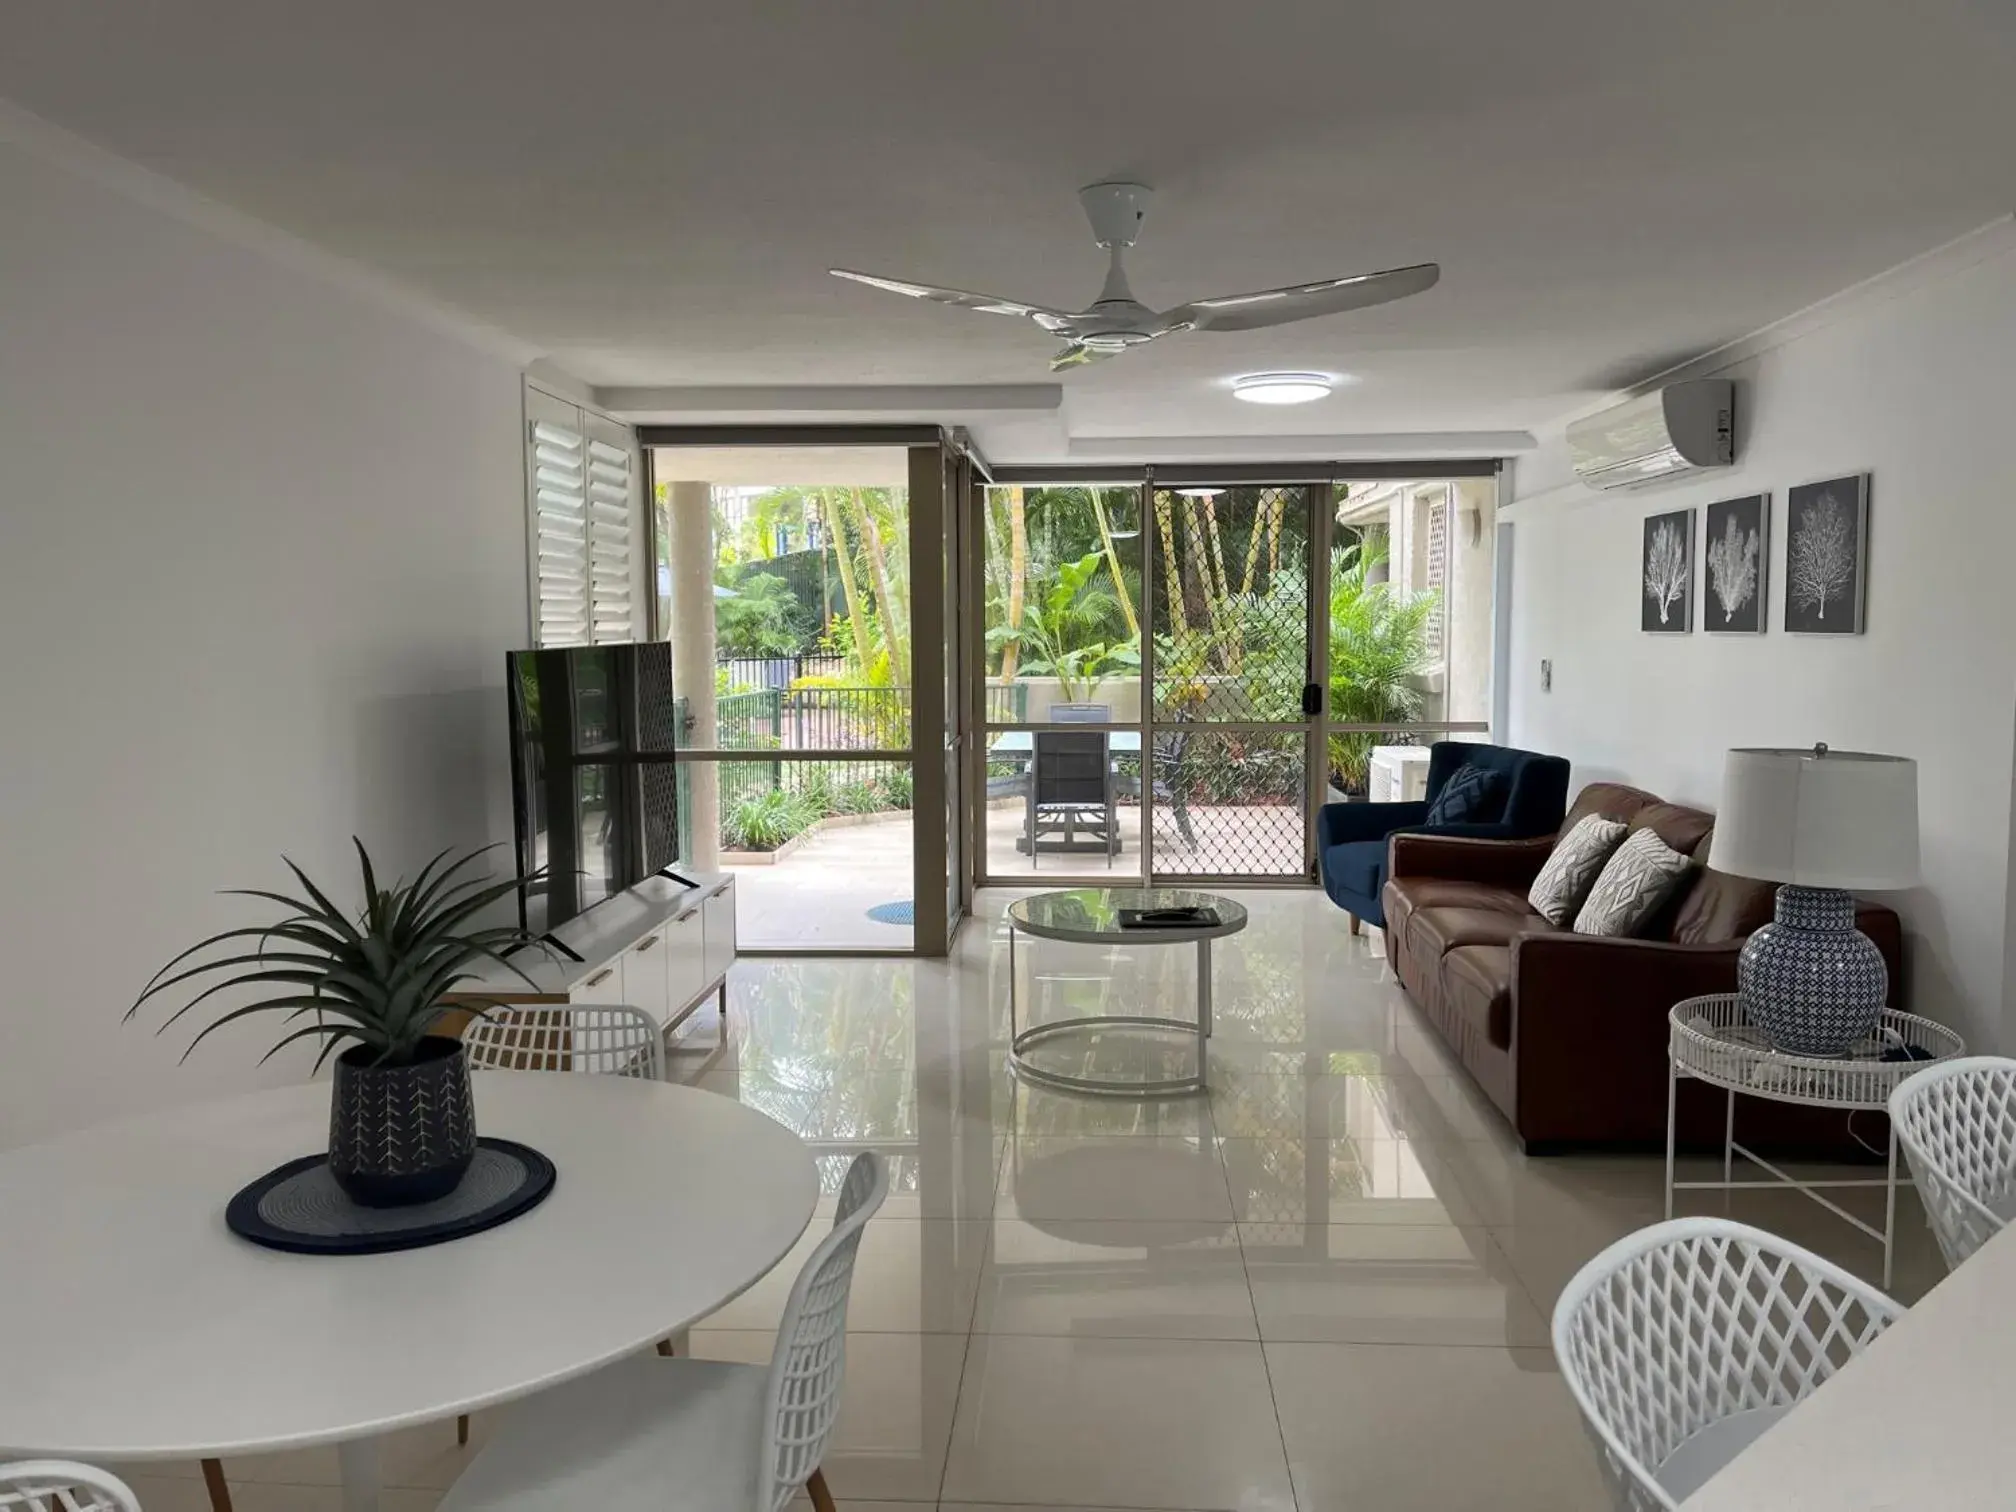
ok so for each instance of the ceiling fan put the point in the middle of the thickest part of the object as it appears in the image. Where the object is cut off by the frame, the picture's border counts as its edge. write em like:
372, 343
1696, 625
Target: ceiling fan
1117, 321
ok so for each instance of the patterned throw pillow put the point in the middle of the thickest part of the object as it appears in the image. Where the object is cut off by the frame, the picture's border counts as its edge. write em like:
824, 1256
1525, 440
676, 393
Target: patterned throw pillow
1635, 884
1472, 795
1572, 868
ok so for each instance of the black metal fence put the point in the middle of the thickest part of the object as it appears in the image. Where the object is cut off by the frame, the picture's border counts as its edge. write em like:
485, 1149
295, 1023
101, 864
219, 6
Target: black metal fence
783, 719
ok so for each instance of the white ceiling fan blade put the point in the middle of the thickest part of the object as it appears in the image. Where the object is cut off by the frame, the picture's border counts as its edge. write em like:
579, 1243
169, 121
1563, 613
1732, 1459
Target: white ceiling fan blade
986, 303
1271, 307
1077, 354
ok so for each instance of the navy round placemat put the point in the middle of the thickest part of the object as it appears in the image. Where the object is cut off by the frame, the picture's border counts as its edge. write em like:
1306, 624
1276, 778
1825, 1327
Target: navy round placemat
298, 1206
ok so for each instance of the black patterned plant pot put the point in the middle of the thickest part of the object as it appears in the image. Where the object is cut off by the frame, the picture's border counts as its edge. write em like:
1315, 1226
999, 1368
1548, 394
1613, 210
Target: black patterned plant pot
401, 1134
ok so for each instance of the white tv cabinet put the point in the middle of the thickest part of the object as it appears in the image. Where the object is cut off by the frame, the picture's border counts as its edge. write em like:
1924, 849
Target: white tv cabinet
661, 946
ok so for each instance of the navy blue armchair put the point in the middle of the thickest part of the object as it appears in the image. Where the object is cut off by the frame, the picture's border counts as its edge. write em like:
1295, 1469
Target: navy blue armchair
1351, 837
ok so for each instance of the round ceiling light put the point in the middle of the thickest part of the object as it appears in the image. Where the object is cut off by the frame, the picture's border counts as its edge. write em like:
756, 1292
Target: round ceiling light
1281, 388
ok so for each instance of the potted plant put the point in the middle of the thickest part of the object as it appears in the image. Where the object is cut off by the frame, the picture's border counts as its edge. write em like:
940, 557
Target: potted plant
402, 1125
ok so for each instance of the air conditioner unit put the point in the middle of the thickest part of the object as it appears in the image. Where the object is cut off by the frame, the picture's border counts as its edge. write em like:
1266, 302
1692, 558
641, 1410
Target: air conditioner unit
1658, 436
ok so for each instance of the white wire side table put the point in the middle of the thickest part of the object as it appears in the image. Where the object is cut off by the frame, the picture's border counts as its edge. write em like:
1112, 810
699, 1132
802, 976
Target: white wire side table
1714, 1041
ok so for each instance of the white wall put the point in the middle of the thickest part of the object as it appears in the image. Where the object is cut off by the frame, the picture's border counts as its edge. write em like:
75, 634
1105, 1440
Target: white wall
1919, 388
262, 551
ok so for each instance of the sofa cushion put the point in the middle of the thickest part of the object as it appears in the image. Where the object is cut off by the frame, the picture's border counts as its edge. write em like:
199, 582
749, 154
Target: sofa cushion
1404, 895
1637, 882
1453, 892
1434, 932
1577, 861
1683, 829
1357, 866
1477, 981
1473, 795
1613, 800
1719, 907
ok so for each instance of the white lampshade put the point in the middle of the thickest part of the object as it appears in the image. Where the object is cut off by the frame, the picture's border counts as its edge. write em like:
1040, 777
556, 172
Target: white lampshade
1819, 818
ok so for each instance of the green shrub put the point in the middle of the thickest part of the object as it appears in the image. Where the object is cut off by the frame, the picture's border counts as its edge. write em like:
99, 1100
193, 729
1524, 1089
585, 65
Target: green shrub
765, 821
899, 788
858, 798
815, 792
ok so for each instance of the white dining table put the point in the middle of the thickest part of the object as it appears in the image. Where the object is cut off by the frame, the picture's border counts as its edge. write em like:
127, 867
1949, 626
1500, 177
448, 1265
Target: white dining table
135, 1327
1918, 1420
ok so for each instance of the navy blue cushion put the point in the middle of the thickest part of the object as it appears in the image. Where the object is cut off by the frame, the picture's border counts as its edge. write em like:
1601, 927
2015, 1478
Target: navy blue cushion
1472, 795
1357, 866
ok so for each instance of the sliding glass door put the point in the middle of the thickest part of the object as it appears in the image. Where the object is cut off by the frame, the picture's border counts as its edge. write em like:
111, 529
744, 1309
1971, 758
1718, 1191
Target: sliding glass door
1234, 726
1057, 670
1412, 644
803, 585
1170, 677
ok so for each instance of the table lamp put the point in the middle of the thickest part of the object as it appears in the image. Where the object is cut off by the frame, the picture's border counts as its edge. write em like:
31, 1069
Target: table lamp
1818, 822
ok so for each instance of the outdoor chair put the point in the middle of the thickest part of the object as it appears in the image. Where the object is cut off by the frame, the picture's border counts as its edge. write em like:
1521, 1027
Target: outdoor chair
1071, 791
1081, 713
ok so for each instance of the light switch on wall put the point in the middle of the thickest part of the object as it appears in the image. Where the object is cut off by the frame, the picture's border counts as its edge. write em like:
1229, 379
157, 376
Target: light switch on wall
1546, 675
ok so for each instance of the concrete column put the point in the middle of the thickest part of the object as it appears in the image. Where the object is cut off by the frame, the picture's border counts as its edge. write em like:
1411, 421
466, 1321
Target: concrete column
690, 526
1468, 601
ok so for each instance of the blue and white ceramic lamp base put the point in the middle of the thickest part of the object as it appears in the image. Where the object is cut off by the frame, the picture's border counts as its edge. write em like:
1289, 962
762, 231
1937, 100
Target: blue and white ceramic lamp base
1812, 981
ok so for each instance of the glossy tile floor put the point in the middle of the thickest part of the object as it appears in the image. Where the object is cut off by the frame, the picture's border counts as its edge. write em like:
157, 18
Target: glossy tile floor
1324, 1286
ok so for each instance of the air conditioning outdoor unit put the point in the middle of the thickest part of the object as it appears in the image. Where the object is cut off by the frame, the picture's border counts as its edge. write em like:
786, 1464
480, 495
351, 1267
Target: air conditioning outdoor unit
1658, 436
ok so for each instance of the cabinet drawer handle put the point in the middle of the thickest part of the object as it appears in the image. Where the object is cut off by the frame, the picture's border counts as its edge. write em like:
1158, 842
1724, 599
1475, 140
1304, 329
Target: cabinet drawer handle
682, 918
600, 977
647, 942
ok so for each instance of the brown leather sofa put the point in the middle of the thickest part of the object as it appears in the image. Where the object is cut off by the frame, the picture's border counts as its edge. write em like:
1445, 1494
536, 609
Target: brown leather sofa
1567, 1033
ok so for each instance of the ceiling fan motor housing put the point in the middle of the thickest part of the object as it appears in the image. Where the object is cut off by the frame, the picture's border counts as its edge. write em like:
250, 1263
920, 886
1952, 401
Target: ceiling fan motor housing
1115, 211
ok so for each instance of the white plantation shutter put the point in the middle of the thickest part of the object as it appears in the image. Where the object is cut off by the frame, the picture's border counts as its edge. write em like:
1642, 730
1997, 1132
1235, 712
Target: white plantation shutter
560, 533
582, 482
611, 595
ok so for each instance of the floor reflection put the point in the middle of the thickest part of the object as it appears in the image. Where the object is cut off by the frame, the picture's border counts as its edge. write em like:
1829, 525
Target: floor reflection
1106, 1301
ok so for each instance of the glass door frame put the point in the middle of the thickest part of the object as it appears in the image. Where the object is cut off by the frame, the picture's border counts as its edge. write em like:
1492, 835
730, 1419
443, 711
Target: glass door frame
1449, 473
1316, 478
932, 463
1317, 655
975, 667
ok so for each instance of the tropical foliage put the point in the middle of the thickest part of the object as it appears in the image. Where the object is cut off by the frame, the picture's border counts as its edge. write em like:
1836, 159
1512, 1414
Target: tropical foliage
764, 617
1064, 631
1063, 580
378, 978
1381, 642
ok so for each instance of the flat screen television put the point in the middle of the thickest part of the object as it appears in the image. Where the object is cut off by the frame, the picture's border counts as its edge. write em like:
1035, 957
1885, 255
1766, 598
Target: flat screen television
594, 788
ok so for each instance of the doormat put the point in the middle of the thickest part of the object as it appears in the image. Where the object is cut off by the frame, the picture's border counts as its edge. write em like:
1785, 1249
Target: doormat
894, 913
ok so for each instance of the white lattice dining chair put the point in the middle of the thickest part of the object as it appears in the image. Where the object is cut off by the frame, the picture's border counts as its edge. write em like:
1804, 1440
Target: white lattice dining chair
1683, 1342
686, 1434
62, 1486
1957, 1124
589, 1039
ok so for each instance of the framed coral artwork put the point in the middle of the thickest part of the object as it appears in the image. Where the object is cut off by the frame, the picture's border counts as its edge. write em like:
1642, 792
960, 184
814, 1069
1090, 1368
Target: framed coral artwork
1736, 562
1827, 556
1666, 574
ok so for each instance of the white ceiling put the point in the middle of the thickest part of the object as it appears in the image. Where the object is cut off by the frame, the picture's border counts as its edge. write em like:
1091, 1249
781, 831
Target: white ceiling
650, 192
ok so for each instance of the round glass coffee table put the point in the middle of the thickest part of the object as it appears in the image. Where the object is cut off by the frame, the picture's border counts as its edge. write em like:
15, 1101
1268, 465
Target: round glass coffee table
1094, 916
